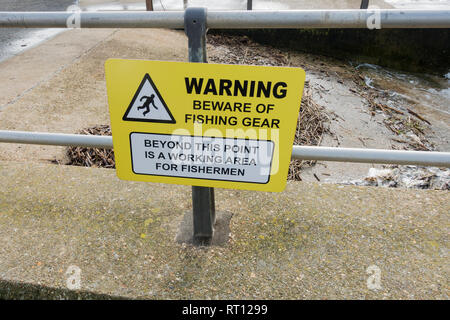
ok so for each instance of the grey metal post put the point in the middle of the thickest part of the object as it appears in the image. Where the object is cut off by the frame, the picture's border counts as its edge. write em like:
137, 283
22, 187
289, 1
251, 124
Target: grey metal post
149, 5
249, 4
203, 207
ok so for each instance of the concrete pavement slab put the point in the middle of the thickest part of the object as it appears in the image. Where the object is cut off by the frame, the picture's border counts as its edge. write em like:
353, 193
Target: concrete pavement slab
60, 85
311, 241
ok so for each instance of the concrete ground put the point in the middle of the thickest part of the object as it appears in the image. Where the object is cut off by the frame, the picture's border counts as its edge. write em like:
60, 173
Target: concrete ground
313, 241
60, 86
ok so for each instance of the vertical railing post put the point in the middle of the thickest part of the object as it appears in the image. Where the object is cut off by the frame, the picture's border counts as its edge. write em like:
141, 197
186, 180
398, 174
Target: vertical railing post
203, 206
149, 5
249, 4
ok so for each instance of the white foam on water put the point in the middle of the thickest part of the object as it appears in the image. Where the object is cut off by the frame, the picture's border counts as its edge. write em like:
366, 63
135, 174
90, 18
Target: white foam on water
30, 40
444, 92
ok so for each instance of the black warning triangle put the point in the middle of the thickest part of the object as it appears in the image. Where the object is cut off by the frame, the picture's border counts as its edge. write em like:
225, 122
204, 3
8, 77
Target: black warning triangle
147, 104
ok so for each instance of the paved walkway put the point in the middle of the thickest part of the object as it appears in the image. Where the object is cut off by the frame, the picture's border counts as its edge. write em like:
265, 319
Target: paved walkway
60, 85
311, 241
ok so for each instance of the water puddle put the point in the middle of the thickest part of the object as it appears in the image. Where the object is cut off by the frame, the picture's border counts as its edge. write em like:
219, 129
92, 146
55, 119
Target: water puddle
19, 40
13, 41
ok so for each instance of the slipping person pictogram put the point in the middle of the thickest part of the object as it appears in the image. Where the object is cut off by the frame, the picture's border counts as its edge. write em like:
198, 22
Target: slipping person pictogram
146, 105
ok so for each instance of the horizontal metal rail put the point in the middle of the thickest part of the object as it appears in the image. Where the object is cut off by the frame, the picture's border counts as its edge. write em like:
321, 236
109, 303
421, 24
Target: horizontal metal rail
56, 139
426, 158
388, 18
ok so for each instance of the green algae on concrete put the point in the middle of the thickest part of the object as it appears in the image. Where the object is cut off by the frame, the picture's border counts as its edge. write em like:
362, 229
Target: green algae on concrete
310, 241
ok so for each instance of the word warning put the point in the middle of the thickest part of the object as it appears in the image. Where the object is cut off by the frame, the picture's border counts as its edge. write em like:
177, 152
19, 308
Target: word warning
211, 125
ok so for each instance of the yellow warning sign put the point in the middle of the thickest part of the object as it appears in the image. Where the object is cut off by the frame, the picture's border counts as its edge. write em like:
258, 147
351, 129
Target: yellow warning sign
212, 125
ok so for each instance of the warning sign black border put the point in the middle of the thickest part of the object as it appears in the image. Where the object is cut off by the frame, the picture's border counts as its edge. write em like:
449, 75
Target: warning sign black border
147, 77
165, 134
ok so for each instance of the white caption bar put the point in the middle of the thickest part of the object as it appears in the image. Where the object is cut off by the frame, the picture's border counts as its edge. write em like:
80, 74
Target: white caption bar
210, 158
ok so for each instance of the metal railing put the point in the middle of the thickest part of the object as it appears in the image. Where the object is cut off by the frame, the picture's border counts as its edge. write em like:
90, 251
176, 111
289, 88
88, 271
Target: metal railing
239, 19
388, 18
427, 158
195, 21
